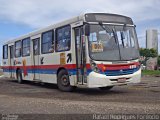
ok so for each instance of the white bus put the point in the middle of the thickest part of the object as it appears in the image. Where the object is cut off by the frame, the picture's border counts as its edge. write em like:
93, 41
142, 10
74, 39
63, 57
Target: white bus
91, 50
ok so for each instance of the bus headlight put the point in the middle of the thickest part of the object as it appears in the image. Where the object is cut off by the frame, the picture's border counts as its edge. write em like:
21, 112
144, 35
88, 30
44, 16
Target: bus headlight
94, 67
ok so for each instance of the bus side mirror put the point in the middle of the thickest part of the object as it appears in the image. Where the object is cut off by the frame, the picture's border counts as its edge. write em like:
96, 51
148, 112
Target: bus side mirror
87, 29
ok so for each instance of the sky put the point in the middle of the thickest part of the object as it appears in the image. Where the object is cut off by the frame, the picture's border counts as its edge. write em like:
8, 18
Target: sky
18, 17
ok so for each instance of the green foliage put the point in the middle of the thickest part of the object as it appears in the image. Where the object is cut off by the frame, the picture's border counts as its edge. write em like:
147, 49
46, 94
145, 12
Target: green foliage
148, 52
151, 72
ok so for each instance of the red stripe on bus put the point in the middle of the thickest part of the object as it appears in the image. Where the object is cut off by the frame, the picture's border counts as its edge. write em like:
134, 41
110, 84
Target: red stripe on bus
73, 66
118, 66
69, 66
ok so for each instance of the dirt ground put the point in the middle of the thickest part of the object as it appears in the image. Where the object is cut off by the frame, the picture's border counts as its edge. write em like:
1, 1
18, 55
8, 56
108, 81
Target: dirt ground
31, 100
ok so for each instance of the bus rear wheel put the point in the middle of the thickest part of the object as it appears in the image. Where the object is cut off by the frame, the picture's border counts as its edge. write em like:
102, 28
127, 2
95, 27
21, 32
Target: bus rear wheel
63, 81
19, 76
106, 88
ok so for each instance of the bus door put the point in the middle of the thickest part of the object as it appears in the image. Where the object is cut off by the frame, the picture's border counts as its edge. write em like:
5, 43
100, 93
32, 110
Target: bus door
11, 61
80, 56
36, 53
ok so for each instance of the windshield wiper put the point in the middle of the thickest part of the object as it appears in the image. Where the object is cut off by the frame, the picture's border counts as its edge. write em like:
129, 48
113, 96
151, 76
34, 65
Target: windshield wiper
116, 39
122, 34
109, 30
122, 38
114, 34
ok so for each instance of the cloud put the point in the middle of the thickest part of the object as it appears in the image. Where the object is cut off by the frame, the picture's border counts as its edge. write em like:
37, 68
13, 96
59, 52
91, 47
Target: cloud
39, 13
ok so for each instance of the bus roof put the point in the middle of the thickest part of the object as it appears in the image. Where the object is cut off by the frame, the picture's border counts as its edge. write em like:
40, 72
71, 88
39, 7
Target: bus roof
69, 21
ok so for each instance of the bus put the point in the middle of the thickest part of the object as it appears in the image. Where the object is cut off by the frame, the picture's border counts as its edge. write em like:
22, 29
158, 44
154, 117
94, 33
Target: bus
92, 50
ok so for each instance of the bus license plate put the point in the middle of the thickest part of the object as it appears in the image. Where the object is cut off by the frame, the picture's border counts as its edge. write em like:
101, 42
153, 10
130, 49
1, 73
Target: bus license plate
121, 80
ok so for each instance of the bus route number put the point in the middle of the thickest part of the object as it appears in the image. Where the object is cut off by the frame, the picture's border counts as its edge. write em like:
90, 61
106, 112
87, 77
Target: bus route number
97, 47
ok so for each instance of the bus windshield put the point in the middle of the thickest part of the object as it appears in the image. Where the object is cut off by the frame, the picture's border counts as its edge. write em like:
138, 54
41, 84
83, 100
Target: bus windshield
113, 42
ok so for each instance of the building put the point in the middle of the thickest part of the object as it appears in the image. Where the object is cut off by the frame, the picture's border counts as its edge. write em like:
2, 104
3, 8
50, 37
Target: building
151, 42
152, 39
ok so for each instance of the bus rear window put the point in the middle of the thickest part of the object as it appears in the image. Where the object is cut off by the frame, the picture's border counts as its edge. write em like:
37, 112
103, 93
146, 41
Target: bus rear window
5, 52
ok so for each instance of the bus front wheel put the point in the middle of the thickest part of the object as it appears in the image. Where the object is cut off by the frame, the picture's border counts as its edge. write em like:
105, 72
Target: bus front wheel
106, 88
63, 81
19, 76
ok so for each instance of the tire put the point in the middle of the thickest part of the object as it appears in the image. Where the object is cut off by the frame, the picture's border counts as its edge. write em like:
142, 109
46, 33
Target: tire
106, 88
63, 81
19, 77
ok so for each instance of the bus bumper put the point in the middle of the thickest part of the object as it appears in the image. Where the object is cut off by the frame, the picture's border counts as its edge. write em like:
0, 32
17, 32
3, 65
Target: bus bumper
101, 80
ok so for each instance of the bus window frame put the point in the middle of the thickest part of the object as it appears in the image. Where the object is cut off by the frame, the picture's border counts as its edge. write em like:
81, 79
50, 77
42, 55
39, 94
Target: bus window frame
4, 52
17, 49
41, 43
26, 47
12, 52
57, 40
38, 47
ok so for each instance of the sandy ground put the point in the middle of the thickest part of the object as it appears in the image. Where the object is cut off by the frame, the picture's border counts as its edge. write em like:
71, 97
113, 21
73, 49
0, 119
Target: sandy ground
33, 99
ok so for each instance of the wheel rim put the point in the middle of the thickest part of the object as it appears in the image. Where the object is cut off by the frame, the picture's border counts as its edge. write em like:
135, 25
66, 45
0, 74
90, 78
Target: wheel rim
65, 80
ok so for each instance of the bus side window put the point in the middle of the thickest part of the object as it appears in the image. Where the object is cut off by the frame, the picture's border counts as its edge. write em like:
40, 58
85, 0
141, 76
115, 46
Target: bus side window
12, 51
26, 47
18, 48
5, 52
63, 38
47, 42
36, 47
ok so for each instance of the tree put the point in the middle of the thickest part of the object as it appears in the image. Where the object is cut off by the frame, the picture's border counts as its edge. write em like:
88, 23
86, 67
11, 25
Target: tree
146, 54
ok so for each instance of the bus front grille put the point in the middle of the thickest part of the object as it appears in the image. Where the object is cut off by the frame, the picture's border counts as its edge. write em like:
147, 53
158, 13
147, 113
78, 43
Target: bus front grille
120, 72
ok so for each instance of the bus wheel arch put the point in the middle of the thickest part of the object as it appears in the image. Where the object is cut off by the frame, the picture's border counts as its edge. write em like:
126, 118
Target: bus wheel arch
63, 81
59, 69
